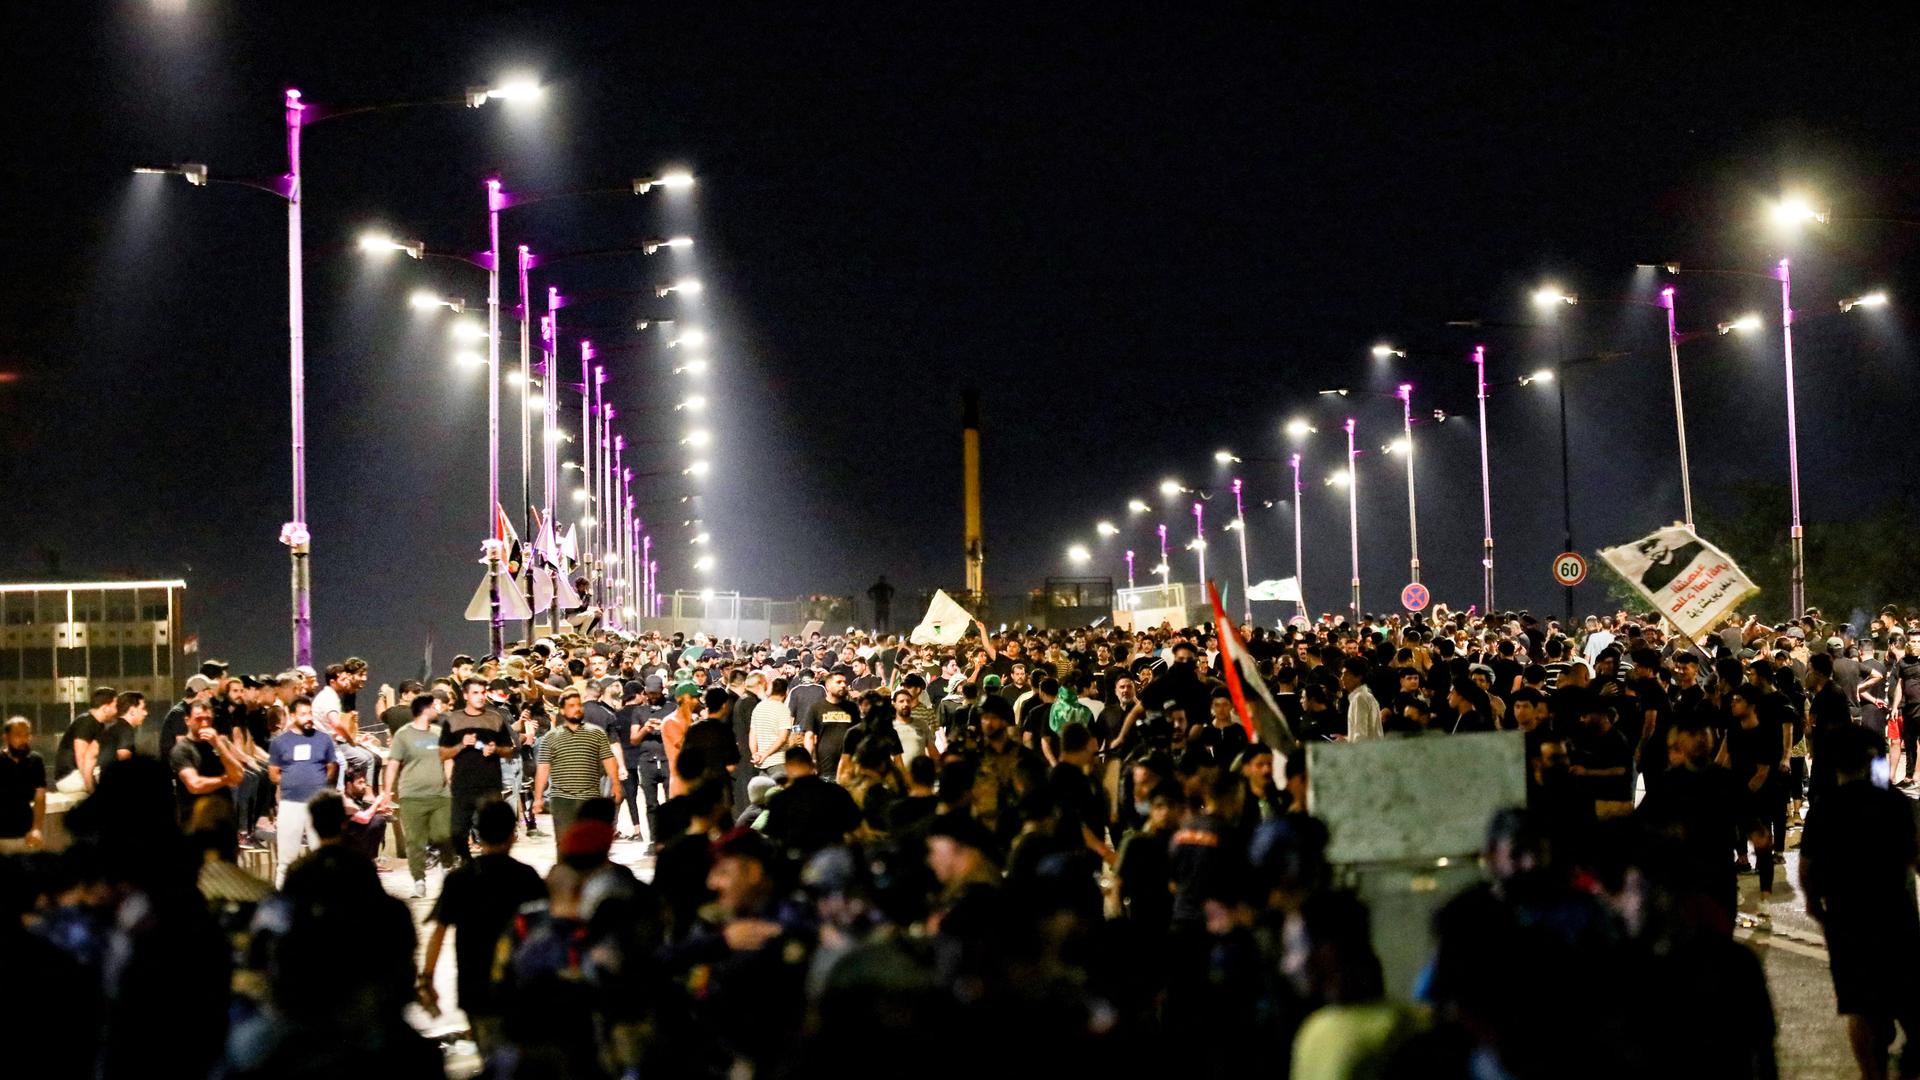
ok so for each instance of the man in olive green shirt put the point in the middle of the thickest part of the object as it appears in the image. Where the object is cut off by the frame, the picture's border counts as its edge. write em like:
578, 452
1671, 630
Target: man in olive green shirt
417, 768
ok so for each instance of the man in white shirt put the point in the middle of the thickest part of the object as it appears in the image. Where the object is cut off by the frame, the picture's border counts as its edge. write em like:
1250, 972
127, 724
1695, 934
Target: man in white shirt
1363, 711
1598, 637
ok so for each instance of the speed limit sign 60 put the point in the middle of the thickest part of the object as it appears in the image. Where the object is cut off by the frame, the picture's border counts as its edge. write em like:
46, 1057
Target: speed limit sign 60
1569, 568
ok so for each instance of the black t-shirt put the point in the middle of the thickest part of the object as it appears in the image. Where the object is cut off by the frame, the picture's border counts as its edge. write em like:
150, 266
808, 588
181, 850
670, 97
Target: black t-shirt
1907, 675
1225, 742
810, 814
476, 773
84, 727
1706, 809
1594, 749
1750, 748
395, 718
200, 756
829, 721
708, 749
114, 738
479, 900
20, 779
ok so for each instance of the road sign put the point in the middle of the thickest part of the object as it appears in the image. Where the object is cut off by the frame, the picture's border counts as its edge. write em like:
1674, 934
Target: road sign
1569, 568
1414, 597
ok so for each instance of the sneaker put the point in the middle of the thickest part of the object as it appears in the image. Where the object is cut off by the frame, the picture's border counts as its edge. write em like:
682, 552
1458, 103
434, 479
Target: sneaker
419, 890
535, 833
1779, 858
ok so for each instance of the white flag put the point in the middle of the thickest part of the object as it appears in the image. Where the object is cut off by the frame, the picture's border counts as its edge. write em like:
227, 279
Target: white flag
1285, 589
946, 622
1688, 580
513, 603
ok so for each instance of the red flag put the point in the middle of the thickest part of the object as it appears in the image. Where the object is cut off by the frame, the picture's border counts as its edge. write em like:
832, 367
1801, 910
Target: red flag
1262, 718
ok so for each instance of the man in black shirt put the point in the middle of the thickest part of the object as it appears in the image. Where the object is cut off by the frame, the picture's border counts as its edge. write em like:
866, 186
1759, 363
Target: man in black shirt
204, 763
478, 901
1857, 857
827, 721
1703, 807
23, 790
1827, 714
117, 738
808, 813
77, 758
1757, 755
474, 738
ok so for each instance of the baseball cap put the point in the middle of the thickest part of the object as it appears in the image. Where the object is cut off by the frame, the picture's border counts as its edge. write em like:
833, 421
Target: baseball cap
686, 689
655, 683
197, 682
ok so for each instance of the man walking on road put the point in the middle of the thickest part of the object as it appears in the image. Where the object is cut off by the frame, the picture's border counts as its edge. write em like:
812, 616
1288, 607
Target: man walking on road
573, 757
1857, 858
480, 740
417, 770
301, 761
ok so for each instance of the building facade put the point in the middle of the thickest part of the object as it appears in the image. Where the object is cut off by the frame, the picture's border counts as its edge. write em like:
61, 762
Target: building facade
59, 640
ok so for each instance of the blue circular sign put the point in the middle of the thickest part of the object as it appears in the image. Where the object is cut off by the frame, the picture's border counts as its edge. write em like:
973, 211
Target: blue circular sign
1414, 597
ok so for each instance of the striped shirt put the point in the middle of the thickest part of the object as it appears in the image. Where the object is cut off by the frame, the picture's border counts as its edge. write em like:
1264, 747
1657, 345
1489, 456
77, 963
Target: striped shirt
575, 757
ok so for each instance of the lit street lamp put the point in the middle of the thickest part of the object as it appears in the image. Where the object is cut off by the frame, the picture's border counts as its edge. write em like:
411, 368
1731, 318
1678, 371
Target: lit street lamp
1413, 517
1486, 483
1353, 518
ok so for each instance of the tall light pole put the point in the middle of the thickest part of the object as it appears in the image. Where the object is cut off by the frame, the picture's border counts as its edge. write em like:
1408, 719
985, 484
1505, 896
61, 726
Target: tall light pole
1200, 542
1353, 518
523, 263
1129, 569
1797, 584
1165, 568
1405, 394
1299, 576
1679, 407
295, 534
1240, 526
550, 439
1550, 298
496, 633
616, 529
1486, 484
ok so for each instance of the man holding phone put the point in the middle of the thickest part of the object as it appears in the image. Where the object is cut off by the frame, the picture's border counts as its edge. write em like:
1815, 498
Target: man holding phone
478, 737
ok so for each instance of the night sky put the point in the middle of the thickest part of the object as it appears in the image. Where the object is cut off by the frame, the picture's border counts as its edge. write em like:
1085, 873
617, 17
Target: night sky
1145, 232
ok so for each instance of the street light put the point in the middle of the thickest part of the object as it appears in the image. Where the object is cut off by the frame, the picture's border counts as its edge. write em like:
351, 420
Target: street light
1795, 210
1743, 324
1353, 518
516, 91
698, 468
1239, 525
1137, 506
1486, 483
698, 437
1383, 351
426, 301
1299, 429
1107, 528
675, 180
1870, 300
1405, 393
685, 287
1548, 295
192, 172
1078, 555
467, 331
1225, 457
695, 338
1170, 488
382, 244
694, 403
703, 564
692, 367
653, 244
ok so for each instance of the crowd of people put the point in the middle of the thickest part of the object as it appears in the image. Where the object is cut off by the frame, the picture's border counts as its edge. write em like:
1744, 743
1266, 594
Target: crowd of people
1049, 849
